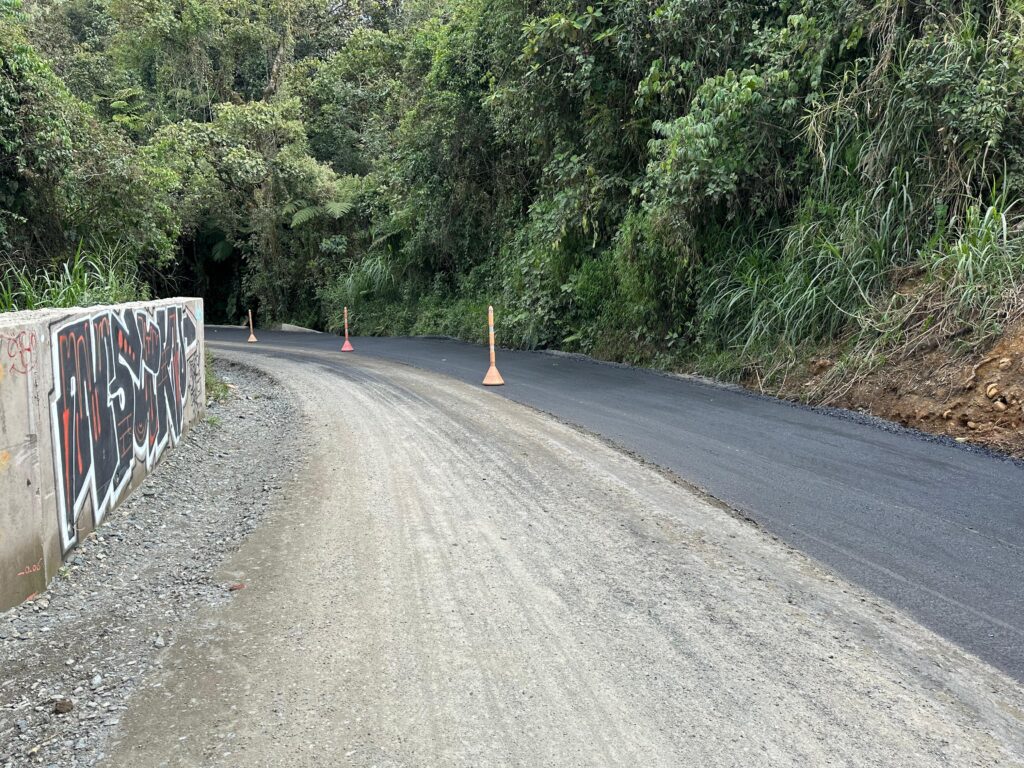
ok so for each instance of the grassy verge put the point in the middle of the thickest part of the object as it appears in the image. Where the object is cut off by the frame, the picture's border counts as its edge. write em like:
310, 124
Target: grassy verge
216, 389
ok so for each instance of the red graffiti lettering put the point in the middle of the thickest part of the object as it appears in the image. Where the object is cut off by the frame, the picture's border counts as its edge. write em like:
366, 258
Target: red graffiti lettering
35, 568
17, 352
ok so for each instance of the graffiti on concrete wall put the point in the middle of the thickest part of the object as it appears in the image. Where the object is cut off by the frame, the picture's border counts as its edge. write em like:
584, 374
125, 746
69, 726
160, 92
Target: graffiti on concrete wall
121, 382
17, 353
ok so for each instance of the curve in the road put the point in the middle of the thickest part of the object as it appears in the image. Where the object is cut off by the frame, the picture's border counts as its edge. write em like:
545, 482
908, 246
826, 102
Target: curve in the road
937, 530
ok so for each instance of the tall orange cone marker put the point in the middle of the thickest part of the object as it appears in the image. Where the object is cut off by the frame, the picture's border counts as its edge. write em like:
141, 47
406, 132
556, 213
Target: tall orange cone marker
347, 346
252, 335
493, 378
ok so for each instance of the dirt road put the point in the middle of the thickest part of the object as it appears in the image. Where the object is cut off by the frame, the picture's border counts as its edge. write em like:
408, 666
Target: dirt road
467, 582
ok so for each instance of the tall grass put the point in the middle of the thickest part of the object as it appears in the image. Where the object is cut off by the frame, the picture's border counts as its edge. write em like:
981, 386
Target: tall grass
968, 289
802, 283
366, 282
964, 292
848, 276
104, 274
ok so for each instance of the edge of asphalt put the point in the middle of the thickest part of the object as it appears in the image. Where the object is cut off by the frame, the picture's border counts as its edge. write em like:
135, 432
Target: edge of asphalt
858, 417
666, 472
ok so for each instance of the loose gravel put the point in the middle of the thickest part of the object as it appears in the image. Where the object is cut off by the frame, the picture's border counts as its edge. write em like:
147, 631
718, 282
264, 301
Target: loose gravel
71, 658
465, 582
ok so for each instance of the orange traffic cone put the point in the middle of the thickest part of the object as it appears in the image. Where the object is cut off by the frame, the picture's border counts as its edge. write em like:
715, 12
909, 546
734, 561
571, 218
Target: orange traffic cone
252, 335
347, 346
493, 378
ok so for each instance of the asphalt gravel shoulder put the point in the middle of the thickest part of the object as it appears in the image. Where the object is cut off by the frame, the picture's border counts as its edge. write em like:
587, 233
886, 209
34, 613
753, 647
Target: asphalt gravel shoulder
468, 582
933, 527
108, 619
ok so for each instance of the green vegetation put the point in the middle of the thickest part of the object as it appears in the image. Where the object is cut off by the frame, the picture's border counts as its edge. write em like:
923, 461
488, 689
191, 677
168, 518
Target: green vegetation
216, 388
102, 276
725, 186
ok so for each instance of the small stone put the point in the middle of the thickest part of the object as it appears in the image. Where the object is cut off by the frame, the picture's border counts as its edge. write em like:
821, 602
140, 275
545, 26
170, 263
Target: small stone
820, 365
1005, 363
991, 391
96, 682
159, 642
1000, 405
961, 439
22, 725
63, 706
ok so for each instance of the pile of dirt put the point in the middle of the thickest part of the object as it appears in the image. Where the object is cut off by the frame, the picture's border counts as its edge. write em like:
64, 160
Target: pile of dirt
978, 399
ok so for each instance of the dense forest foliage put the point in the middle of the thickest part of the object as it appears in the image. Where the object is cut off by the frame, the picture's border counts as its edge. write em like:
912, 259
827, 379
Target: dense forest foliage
711, 183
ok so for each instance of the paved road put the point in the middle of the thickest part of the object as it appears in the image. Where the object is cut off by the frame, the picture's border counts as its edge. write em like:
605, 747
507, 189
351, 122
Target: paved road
452, 579
937, 530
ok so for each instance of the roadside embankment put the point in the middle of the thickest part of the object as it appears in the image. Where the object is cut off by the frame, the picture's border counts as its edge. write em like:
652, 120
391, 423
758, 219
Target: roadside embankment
975, 397
72, 658
90, 399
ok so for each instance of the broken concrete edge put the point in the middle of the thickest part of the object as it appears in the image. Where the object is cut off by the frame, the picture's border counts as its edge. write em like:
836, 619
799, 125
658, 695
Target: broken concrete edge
296, 328
90, 400
275, 327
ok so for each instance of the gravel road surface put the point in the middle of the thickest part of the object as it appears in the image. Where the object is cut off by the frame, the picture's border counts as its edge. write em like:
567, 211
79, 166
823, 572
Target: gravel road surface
935, 528
453, 579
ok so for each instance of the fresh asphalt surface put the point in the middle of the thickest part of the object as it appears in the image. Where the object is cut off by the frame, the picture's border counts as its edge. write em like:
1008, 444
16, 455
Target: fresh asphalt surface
936, 529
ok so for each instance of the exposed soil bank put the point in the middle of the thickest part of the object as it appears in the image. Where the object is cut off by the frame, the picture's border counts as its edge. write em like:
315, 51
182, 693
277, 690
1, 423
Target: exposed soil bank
979, 399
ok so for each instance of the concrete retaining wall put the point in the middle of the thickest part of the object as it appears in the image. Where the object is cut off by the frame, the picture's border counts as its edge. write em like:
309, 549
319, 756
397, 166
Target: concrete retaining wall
89, 401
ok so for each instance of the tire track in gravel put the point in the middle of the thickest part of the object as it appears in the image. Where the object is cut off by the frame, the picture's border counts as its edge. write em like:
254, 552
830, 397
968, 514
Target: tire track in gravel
444, 527
467, 582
